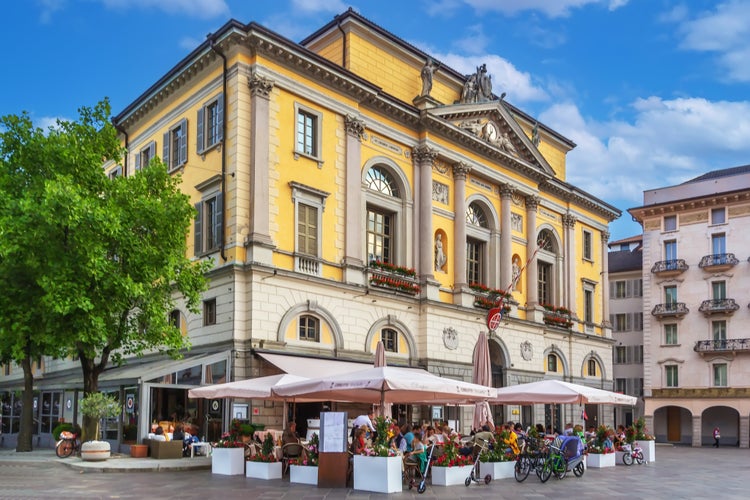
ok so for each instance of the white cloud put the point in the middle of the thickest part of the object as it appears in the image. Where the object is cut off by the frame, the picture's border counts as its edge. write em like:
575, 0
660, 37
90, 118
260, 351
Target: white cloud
48, 8
668, 142
193, 8
189, 43
551, 8
725, 31
336, 6
475, 41
506, 78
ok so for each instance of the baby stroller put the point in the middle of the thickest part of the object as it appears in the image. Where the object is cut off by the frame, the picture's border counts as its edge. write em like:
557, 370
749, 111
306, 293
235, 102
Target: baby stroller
565, 454
474, 474
422, 469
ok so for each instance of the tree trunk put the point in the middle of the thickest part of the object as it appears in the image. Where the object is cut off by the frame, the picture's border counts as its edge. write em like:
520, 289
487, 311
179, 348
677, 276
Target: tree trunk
90, 425
26, 429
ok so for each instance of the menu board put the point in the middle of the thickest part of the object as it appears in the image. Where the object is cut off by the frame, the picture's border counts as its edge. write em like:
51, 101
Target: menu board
333, 432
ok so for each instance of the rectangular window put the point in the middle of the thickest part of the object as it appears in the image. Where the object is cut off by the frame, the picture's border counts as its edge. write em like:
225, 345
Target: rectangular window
719, 330
670, 223
670, 250
552, 363
638, 287
307, 229
670, 295
720, 375
174, 151
620, 289
544, 273
208, 224
592, 368
588, 252
670, 334
309, 328
671, 375
209, 312
638, 321
588, 306
621, 385
718, 244
379, 236
621, 355
717, 216
145, 155
174, 319
210, 124
719, 290
308, 132
637, 355
474, 261
390, 339
115, 172
621, 322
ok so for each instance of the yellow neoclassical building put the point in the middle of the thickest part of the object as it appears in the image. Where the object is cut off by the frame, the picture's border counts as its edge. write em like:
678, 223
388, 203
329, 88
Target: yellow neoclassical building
349, 189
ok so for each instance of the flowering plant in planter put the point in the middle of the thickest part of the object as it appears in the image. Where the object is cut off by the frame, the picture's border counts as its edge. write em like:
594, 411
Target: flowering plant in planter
228, 441
392, 268
452, 458
266, 453
497, 455
641, 433
599, 450
557, 316
395, 283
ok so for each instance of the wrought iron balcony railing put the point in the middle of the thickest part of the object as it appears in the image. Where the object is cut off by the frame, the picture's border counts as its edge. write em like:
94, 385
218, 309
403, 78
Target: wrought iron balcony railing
718, 261
671, 267
382, 278
670, 309
722, 345
718, 306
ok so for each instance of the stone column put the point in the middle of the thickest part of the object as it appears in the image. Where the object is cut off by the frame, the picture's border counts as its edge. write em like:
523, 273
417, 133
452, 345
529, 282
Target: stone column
423, 158
697, 437
506, 251
744, 431
355, 129
460, 170
532, 290
606, 326
260, 244
569, 264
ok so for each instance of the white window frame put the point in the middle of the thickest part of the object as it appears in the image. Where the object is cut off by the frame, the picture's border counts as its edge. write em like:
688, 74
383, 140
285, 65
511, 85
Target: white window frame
317, 132
720, 379
676, 372
203, 139
144, 156
674, 334
716, 212
668, 227
315, 198
175, 157
115, 172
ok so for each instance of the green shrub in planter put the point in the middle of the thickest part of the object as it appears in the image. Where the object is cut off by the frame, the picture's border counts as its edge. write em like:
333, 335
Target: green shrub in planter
65, 426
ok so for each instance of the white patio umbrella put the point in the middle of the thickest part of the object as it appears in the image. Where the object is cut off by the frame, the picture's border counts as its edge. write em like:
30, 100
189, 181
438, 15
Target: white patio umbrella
482, 375
386, 384
252, 388
558, 392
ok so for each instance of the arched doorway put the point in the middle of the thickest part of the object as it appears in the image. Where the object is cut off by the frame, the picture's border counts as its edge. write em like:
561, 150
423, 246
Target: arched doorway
673, 424
498, 364
726, 419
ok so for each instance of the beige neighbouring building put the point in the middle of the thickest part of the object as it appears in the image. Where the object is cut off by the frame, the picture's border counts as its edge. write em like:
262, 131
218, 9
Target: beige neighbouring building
696, 288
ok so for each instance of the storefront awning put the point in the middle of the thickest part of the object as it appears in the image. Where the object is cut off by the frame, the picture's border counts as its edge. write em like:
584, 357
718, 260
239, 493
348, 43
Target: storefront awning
312, 367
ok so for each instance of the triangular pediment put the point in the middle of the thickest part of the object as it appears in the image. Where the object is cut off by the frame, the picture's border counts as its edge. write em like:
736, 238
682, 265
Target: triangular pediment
493, 126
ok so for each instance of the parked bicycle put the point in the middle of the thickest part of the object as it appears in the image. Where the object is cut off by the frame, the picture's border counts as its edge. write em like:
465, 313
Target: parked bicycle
532, 457
566, 453
632, 453
67, 444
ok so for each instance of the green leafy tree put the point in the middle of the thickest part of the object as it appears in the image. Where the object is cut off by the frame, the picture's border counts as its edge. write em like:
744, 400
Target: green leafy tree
91, 266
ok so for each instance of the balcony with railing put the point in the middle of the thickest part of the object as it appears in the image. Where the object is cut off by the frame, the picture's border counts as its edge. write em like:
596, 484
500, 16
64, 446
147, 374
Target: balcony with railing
722, 345
487, 298
391, 277
718, 306
718, 262
557, 316
670, 310
307, 264
666, 268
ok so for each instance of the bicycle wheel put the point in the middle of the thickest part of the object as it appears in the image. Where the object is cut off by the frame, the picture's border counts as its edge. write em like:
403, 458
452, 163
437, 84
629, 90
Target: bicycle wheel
627, 458
546, 471
639, 457
64, 448
522, 468
579, 469
560, 468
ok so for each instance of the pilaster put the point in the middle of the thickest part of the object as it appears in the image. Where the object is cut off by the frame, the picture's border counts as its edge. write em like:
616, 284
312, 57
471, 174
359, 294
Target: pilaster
424, 156
355, 130
569, 263
697, 437
506, 262
460, 171
532, 292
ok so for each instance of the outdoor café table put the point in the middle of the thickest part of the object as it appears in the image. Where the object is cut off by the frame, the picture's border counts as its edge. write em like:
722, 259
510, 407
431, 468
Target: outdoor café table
206, 446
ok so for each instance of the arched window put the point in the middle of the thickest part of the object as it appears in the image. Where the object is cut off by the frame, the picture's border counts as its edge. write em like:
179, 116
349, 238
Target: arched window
380, 180
592, 367
389, 336
547, 281
477, 238
552, 363
384, 209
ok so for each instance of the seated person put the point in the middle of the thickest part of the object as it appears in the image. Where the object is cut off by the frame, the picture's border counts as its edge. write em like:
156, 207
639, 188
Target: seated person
398, 443
179, 433
408, 436
479, 439
358, 442
158, 435
416, 456
512, 440
290, 434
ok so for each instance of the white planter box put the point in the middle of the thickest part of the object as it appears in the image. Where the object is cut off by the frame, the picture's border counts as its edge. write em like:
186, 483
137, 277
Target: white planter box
303, 474
95, 450
228, 461
450, 476
498, 470
600, 460
649, 450
264, 470
378, 474
618, 457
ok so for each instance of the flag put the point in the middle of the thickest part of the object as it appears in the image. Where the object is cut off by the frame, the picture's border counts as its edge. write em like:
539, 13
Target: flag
583, 414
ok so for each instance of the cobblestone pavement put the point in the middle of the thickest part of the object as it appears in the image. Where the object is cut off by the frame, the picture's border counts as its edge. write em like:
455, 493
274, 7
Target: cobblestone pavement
679, 472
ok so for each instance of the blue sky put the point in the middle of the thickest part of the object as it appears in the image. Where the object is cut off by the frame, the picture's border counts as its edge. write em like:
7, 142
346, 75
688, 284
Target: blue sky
653, 92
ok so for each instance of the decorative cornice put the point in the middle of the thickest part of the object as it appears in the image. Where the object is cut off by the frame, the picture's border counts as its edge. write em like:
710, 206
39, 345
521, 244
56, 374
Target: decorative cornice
460, 170
424, 154
355, 127
260, 86
574, 195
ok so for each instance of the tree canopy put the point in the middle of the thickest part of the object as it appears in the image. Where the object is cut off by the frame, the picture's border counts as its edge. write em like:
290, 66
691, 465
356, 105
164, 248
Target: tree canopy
90, 266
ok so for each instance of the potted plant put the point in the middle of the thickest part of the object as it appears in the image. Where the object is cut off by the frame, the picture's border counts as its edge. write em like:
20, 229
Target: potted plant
228, 456
264, 465
242, 431
305, 469
379, 469
97, 406
601, 453
645, 440
451, 467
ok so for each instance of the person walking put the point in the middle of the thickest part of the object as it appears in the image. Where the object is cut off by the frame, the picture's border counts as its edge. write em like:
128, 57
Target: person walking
717, 436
